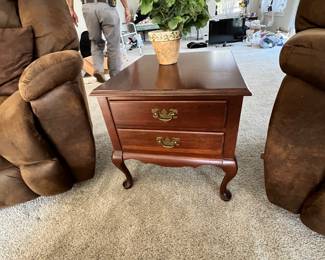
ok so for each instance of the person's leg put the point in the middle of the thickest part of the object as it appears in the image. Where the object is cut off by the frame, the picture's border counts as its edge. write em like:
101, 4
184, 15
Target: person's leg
110, 23
95, 36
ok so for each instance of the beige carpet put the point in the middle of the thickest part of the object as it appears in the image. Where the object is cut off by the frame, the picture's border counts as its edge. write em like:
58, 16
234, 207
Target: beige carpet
169, 213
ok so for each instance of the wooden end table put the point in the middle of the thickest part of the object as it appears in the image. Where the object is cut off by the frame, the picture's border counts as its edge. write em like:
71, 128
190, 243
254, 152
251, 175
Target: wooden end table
185, 114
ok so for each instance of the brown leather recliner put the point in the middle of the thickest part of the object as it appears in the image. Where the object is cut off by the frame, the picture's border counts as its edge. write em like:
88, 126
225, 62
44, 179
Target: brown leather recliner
46, 140
294, 156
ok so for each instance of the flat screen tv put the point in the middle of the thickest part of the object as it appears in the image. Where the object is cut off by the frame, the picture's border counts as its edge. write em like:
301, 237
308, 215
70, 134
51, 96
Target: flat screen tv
227, 30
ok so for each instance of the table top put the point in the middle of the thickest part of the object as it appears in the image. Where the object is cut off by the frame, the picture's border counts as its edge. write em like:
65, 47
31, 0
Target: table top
196, 74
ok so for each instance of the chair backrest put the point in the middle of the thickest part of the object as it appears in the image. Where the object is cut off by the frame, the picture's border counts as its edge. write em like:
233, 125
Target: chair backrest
311, 14
52, 31
9, 14
52, 25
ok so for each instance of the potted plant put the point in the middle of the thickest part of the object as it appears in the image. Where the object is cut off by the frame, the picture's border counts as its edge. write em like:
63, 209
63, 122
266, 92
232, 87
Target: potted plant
174, 17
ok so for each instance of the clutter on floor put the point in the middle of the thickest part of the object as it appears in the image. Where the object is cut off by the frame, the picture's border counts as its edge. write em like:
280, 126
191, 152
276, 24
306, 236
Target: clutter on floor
130, 38
196, 45
89, 68
257, 36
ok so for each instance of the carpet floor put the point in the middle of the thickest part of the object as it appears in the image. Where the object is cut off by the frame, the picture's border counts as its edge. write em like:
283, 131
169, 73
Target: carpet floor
170, 213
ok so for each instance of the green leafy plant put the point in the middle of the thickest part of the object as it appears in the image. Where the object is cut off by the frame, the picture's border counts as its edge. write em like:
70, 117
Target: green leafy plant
176, 14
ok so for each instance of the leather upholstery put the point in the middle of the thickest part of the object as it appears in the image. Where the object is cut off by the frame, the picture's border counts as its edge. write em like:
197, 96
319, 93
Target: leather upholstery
313, 212
46, 141
13, 189
4, 164
62, 127
47, 177
310, 15
294, 159
2, 99
20, 43
52, 25
48, 72
303, 56
18, 129
294, 155
8, 14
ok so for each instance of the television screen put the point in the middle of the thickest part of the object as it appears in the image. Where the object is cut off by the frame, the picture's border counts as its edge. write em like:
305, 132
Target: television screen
227, 30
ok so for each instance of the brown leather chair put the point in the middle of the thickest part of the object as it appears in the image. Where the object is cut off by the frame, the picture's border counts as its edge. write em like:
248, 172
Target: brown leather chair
46, 140
294, 157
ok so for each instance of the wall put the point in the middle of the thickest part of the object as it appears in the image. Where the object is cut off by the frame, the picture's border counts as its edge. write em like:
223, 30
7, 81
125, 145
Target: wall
254, 6
286, 22
81, 25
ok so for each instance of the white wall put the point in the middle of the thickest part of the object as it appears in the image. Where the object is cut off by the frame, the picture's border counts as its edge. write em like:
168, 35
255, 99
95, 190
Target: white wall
82, 25
287, 21
254, 6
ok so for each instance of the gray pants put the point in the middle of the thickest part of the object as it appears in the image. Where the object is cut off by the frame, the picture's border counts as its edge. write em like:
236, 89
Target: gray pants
102, 18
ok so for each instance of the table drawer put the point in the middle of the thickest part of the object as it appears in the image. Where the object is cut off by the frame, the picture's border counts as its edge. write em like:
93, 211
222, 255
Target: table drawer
172, 142
170, 115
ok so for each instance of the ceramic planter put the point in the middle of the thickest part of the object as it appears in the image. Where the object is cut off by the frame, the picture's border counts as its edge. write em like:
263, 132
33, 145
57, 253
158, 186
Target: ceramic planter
166, 45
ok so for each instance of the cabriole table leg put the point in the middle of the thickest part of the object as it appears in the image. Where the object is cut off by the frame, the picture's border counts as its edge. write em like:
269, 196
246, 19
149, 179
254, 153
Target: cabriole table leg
118, 161
230, 168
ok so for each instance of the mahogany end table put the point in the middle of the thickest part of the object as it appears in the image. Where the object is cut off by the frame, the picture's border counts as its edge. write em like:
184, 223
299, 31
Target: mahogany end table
185, 114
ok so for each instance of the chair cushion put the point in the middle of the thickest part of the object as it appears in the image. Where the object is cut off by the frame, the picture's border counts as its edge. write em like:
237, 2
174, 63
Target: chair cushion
20, 141
8, 14
4, 164
303, 56
52, 25
22, 145
2, 99
313, 212
13, 190
294, 153
16, 54
310, 15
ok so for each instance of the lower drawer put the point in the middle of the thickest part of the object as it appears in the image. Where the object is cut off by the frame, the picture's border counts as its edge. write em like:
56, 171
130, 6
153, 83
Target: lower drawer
172, 142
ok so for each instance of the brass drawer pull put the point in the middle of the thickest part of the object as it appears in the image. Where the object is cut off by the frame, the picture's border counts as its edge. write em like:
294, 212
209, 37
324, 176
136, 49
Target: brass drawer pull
164, 115
167, 142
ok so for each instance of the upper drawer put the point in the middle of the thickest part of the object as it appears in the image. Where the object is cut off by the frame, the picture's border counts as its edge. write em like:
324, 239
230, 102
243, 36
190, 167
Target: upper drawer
173, 115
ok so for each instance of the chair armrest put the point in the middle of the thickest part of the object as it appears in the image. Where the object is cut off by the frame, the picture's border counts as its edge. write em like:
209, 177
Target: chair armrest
23, 145
48, 72
303, 57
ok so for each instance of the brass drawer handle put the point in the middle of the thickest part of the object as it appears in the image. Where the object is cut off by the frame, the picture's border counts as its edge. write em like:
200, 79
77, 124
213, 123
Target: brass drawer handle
164, 115
167, 142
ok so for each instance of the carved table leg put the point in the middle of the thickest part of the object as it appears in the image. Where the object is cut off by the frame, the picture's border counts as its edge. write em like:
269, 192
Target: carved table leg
118, 161
230, 168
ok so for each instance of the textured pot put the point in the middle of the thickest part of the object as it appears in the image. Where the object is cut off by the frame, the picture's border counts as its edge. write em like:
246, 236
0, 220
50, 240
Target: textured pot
166, 45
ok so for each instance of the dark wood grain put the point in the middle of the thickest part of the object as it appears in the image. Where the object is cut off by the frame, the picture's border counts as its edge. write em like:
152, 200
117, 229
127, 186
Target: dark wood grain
201, 144
199, 103
117, 155
170, 160
191, 115
110, 124
202, 73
